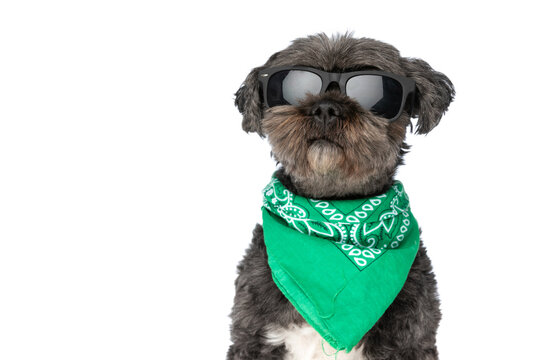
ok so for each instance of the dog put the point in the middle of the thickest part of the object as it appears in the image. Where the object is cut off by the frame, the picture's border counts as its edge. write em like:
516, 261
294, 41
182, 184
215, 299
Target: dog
333, 144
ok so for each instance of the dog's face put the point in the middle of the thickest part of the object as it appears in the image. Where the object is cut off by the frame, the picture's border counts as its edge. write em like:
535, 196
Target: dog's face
328, 144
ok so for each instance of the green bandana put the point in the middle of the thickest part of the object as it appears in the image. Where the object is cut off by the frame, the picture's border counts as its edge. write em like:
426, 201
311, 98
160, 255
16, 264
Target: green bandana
341, 263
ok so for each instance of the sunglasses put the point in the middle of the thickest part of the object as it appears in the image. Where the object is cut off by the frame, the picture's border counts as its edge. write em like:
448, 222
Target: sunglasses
382, 93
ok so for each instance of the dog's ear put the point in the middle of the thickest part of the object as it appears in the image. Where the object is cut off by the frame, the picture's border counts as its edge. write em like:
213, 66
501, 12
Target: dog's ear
434, 93
248, 100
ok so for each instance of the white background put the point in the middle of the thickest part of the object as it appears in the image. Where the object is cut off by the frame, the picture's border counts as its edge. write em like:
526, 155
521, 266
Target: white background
118, 136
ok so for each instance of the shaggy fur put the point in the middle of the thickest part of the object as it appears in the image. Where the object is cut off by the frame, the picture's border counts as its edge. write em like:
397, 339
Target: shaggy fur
354, 154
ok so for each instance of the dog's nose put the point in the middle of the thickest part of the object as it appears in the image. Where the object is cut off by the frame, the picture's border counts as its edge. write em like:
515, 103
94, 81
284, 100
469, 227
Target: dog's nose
325, 112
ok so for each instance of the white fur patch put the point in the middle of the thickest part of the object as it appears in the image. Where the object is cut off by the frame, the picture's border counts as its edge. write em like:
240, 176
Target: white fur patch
304, 343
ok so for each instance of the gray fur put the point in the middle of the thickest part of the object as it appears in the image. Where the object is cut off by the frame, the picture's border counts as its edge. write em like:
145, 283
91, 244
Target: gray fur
435, 93
248, 102
357, 155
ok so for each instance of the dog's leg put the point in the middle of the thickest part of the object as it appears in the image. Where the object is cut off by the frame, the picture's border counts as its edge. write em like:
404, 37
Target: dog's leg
258, 304
407, 329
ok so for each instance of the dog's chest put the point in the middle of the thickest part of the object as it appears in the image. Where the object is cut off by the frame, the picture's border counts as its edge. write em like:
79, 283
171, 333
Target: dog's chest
304, 343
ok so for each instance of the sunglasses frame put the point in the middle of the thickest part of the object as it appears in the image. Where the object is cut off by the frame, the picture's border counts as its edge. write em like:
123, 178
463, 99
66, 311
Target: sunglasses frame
341, 78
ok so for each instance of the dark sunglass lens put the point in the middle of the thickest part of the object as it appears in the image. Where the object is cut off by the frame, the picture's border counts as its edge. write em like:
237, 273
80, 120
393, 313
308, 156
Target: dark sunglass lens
379, 94
288, 87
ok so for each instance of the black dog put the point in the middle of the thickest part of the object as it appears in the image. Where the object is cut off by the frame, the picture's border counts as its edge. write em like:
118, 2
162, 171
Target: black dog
332, 146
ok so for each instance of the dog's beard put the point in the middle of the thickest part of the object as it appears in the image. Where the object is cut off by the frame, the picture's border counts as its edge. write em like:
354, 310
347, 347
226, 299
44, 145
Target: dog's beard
325, 157
353, 155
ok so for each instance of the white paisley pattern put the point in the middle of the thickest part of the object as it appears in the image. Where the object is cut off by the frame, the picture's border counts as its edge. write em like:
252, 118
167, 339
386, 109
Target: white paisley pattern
378, 222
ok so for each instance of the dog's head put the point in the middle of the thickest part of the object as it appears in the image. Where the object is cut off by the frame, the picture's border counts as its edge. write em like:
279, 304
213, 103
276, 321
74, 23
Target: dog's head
330, 143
